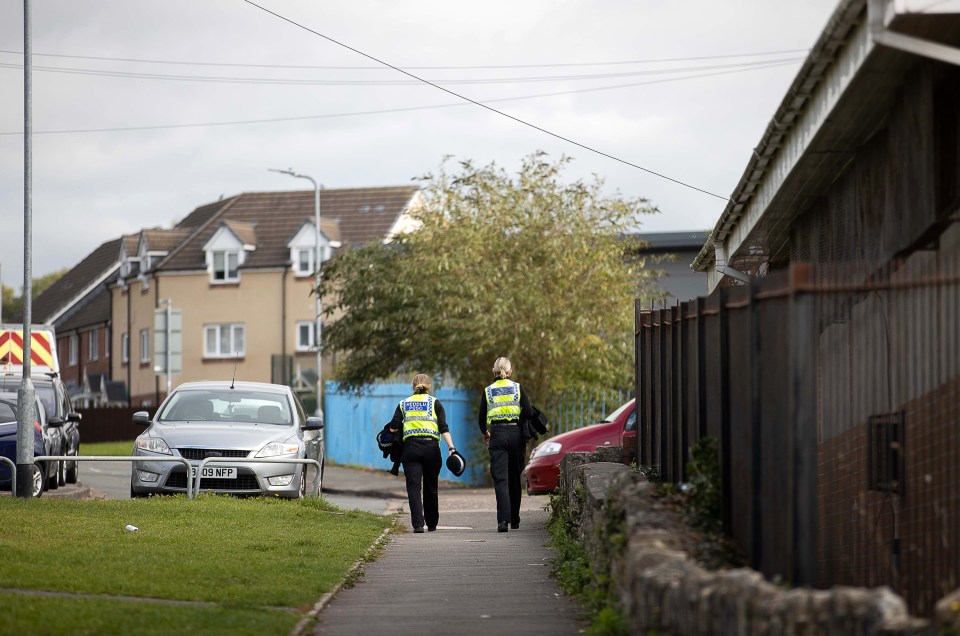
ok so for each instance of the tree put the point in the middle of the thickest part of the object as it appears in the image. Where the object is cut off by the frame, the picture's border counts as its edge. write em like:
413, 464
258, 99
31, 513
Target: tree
13, 305
526, 267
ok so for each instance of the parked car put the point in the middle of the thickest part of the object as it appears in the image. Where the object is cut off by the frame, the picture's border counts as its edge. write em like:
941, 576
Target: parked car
543, 469
238, 420
56, 401
44, 473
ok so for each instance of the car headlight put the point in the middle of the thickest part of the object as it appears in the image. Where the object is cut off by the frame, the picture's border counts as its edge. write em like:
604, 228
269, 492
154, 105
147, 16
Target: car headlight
279, 448
153, 445
547, 448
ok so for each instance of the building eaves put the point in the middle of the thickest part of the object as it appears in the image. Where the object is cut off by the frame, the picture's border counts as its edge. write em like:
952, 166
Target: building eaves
767, 166
73, 286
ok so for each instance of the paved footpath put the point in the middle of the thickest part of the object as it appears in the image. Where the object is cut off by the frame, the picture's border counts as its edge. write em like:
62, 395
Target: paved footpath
463, 579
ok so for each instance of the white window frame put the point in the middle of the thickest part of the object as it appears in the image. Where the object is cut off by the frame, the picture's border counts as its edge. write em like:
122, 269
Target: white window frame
125, 347
73, 346
213, 339
309, 269
93, 344
106, 343
310, 345
225, 269
144, 346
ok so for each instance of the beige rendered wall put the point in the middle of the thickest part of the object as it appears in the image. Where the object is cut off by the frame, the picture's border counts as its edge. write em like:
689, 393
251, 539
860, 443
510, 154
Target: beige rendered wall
257, 302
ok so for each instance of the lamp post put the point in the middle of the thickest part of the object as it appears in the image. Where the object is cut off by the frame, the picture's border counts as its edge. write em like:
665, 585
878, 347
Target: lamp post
318, 257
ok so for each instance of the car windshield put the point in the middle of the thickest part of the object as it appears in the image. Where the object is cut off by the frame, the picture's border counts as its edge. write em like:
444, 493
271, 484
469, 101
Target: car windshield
613, 416
8, 413
228, 405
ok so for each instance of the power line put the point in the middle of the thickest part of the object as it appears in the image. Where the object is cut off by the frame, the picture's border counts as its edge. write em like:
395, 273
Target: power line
322, 82
389, 110
416, 68
490, 108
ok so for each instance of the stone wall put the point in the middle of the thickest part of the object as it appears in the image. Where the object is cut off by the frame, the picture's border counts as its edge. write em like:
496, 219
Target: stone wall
634, 541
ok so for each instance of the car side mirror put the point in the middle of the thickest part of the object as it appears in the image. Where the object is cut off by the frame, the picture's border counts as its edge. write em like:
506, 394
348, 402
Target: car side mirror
141, 418
74, 417
313, 424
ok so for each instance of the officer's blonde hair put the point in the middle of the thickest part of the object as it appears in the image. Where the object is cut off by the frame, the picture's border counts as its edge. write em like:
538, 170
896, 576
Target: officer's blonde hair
502, 368
421, 383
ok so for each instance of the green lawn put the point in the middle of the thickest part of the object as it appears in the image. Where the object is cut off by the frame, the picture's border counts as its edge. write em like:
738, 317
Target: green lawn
106, 448
260, 564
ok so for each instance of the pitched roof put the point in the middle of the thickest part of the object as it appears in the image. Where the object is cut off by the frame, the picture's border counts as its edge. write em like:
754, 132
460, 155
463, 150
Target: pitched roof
354, 216
94, 311
161, 240
72, 286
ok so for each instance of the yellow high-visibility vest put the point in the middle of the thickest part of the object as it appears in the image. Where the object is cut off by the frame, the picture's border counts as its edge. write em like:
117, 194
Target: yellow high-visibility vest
420, 416
503, 401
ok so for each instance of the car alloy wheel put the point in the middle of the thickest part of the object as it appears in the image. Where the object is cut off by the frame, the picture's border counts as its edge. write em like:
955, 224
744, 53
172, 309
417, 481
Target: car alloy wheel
37, 488
303, 484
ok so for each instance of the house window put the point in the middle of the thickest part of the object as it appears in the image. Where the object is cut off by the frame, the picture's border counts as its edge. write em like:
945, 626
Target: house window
125, 347
304, 260
223, 341
144, 346
94, 345
225, 266
74, 345
306, 339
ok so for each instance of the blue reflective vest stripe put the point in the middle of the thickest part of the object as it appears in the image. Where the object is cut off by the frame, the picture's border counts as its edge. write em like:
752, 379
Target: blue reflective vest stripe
420, 417
503, 401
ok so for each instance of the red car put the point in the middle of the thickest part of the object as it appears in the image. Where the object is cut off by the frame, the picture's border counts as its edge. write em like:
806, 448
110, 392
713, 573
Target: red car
617, 429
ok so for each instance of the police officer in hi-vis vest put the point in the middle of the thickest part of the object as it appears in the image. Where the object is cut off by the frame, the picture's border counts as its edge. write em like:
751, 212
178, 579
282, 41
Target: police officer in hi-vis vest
424, 422
503, 405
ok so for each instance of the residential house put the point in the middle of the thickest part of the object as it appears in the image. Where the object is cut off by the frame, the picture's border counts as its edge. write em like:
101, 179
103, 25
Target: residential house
241, 272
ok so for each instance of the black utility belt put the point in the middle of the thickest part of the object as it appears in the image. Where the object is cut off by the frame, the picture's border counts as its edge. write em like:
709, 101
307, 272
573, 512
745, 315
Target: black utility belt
503, 423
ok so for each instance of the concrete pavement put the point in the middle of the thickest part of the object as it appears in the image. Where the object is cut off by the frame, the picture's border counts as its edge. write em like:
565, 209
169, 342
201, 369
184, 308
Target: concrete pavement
465, 578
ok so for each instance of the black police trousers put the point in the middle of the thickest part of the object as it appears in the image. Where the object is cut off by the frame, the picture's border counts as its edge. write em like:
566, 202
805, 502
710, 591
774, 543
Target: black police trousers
421, 466
506, 464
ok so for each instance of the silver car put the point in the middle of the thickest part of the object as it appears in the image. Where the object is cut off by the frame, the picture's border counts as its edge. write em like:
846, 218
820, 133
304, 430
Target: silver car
236, 420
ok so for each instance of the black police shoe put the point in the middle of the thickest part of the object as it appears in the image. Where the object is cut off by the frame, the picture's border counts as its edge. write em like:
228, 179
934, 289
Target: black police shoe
431, 528
418, 530
502, 526
514, 524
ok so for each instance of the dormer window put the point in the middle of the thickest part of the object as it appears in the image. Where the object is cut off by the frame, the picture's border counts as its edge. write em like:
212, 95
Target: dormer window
303, 249
225, 263
226, 252
303, 260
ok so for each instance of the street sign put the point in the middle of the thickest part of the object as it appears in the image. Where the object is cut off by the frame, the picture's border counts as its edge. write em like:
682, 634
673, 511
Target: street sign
165, 333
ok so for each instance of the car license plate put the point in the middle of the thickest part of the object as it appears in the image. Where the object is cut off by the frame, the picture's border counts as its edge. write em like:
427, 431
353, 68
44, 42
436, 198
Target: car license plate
217, 472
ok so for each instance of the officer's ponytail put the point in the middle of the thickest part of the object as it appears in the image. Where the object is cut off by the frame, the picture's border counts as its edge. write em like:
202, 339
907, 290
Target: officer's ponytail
421, 383
502, 368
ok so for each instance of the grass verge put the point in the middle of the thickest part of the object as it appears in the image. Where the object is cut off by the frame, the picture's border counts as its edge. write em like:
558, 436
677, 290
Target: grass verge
121, 449
249, 565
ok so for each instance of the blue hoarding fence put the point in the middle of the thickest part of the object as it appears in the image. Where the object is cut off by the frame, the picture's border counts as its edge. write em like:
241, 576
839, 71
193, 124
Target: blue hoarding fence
353, 421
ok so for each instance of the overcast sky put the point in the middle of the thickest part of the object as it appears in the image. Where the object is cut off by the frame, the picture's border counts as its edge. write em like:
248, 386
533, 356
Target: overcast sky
227, 61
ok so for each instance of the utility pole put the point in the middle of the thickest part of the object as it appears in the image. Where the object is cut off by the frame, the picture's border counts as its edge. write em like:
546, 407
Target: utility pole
318, 258
26, 393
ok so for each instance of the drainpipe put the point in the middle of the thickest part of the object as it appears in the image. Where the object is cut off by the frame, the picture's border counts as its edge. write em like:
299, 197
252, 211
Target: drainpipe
156, 305
283, 320
877, 11
129, 349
